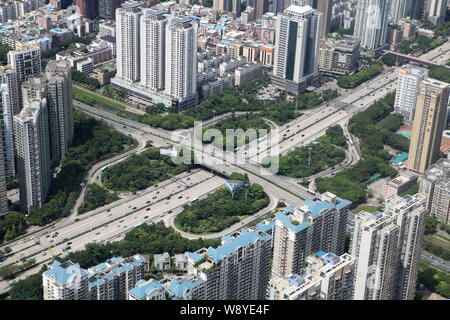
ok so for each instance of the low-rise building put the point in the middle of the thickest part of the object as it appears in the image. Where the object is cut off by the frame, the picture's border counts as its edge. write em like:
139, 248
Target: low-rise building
339, 54
400, 184
147, 290
248, 72
162, 261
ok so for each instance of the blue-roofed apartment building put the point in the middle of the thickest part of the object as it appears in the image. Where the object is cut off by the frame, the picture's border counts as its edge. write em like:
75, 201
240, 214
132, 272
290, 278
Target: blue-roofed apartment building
113, 279
327, 277
299, 232
65, 281
236, 270
190, 287
110, 280
147, 290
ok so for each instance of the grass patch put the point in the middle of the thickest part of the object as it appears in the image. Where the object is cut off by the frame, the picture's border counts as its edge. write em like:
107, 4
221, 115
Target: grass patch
245, 122
97, 97
221, 210
297, 164
411, 190
141, 171
370, 209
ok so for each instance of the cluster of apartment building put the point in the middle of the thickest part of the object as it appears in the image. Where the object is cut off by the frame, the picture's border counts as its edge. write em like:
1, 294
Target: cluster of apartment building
37, 123
422, 102
50, 27
298, 255
110, 280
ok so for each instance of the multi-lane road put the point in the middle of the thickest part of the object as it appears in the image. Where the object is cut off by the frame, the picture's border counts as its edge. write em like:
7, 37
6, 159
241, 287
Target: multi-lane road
112, 221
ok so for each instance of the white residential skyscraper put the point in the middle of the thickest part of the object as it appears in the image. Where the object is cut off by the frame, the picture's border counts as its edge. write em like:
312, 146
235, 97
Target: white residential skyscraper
9, 106
436, 11
401, 9
25, 61
128, 41
60, 107
387, 247
153, 48
408, 86
3, 197
428, 124
32, 147
435, 185
181, 61
65, 281
238, 269
374, 245
327, 277
409, 214
371, 23
55, 84
298, 31
299, 232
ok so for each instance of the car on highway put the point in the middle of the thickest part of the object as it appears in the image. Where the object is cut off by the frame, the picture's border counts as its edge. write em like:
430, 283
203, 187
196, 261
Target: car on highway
43, 253
148, 209
77, 219
69, 243
146, 217
148, 202
97, 233
134, 208
121, 221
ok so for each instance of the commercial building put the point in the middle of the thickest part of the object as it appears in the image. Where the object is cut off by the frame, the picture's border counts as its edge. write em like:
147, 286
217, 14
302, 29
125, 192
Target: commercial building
238, 269
434, 184
371, 23
408, 85
32, 146
328, 277
428, 125
299, 232
339, 55
298, 30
